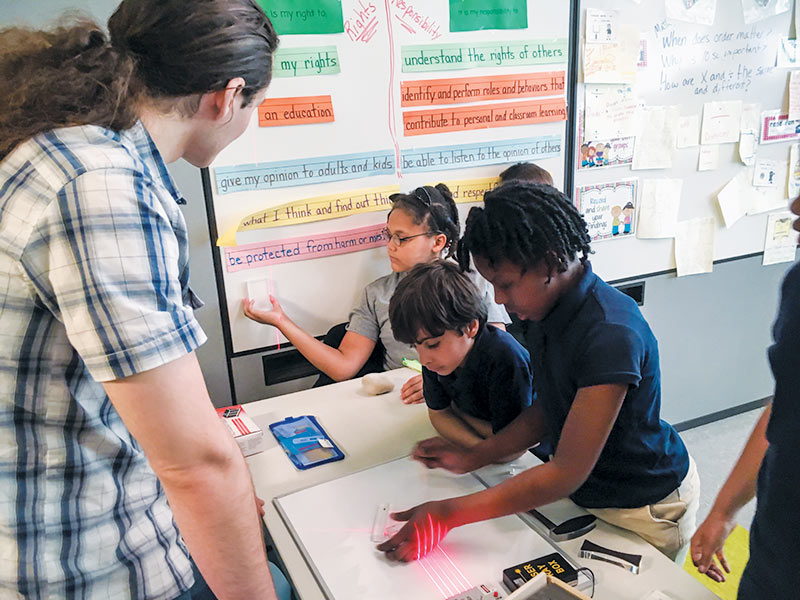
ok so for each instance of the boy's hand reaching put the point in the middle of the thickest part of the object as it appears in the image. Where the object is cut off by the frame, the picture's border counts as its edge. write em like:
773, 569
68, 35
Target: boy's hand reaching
438, 453
426, 525
411, 393
707, 544
267, 317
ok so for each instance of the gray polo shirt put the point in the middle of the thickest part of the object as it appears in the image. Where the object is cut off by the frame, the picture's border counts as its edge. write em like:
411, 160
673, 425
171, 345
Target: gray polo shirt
370, 317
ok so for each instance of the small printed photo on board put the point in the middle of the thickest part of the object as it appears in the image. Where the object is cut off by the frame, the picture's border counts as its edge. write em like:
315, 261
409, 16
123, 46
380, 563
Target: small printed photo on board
598, 153
609, 153
609, 208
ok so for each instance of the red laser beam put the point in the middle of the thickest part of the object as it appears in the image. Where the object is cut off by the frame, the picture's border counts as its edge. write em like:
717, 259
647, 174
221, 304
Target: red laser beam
438, 587
457, 570
443, 573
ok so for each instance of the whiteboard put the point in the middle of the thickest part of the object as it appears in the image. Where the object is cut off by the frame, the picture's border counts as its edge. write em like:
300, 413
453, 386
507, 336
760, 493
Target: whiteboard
670, 62
319, 293
332, 524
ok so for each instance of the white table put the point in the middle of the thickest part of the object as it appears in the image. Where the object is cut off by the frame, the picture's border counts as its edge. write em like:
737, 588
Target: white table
372, 430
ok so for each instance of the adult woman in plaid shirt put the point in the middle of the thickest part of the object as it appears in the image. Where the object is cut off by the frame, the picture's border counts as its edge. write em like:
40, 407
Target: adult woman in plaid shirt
104, 415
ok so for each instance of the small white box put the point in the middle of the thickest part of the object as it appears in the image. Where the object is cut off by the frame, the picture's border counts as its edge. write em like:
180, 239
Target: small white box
247, 434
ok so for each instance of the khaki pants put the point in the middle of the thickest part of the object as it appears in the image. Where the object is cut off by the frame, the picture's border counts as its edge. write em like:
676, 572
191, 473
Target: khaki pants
669, 523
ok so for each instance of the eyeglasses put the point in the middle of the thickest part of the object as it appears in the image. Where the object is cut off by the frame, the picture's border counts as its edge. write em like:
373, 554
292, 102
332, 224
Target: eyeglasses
397, 240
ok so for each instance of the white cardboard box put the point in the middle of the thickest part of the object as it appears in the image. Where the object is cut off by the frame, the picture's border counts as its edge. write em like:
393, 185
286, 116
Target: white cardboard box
247, 434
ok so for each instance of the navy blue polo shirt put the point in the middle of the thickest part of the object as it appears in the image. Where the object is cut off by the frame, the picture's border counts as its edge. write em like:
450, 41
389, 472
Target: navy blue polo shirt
493, 384
774, 543
596, 335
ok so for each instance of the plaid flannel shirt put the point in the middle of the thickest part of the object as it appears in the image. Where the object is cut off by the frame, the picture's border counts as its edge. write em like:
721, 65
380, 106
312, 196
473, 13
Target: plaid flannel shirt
93, 288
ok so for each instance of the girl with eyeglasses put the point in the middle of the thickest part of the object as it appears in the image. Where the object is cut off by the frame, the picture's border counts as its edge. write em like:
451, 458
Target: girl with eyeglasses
422, 226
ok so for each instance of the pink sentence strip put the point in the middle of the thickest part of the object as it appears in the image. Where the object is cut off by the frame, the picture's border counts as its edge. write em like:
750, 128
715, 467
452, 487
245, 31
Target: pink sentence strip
275, 252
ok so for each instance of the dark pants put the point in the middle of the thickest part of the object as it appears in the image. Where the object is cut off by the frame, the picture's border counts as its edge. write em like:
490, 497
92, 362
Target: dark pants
334, 337
201, 591
772, 570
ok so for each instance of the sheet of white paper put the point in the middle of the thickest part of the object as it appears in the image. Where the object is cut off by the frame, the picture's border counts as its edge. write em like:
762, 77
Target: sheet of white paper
709, 158
694, 246
688, 131
793, 187
794, 94
747, 147
766, 199
734, 199
658, 208
610, 112
701, 12
765, 173
751, 117
787, 53
721, 122
757, 10
614, 62
655, 137
796, 16
601, 25
780, 244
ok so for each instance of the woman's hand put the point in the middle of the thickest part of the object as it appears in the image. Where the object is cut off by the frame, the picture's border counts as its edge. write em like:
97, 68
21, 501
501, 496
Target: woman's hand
267, 317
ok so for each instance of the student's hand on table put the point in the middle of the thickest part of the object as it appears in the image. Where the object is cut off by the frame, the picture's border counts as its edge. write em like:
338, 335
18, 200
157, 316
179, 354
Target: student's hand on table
411, 392
426, 525
707, 544
438, 453
267, 317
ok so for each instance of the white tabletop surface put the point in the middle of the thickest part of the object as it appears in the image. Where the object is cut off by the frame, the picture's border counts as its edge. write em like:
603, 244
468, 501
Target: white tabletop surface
372, 430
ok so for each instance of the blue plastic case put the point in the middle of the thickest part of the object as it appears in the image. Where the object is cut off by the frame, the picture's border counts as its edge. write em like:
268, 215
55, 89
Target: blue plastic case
305, 442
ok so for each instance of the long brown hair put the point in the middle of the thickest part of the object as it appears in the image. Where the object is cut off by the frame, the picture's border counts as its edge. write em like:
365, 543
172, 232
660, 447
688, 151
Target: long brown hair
165, 51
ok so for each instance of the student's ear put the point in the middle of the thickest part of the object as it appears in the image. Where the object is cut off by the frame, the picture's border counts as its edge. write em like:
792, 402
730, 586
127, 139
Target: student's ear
439, 242
222, 103
472, 328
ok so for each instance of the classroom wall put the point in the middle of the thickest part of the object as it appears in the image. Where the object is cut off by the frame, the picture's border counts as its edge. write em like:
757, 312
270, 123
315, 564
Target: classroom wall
713, 330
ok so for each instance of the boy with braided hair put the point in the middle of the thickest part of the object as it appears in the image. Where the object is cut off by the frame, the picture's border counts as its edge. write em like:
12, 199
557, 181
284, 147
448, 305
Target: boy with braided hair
597, 381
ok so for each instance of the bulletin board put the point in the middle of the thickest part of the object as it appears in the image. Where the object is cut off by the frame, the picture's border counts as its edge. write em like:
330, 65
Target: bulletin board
681, 71
369, 98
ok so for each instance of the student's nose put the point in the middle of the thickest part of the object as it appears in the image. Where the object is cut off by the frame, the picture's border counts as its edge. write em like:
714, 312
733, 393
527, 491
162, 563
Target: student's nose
424, 356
